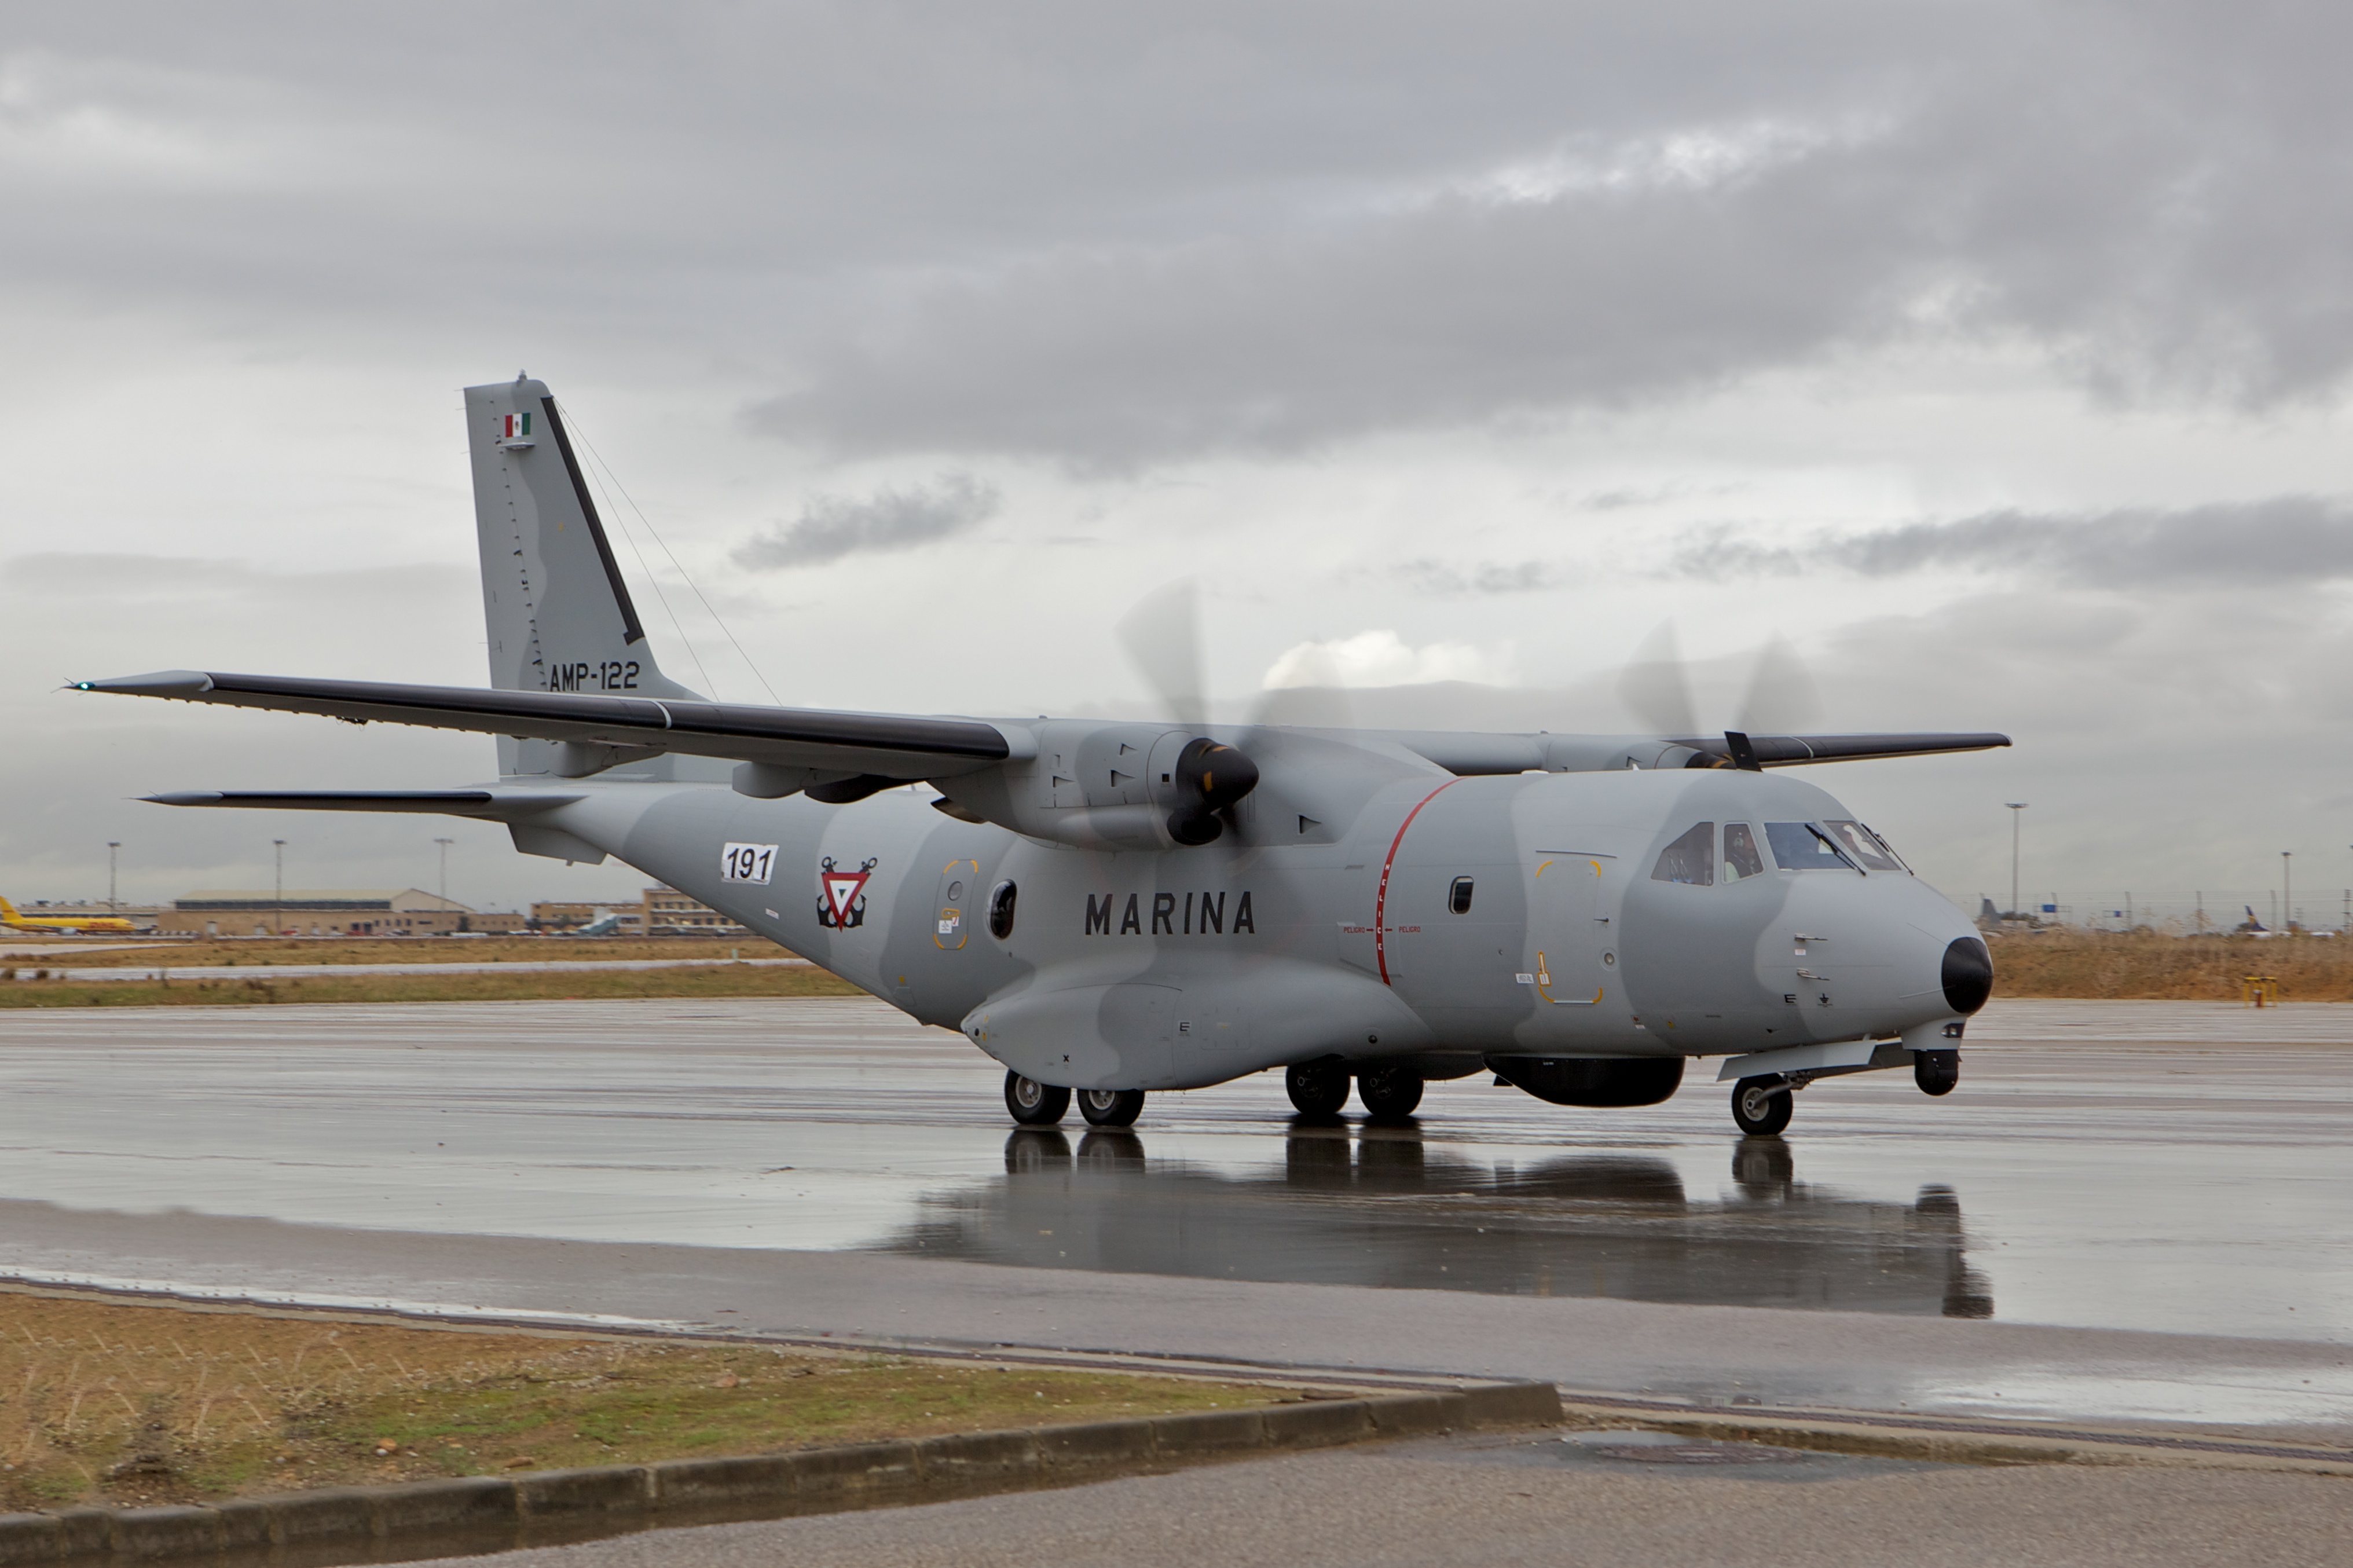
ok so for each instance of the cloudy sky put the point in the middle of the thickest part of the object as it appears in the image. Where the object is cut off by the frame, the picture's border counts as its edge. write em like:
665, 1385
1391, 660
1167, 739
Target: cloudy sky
1995, 355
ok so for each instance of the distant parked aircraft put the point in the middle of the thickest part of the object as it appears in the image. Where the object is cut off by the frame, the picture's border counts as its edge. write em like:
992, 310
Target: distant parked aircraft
69, 925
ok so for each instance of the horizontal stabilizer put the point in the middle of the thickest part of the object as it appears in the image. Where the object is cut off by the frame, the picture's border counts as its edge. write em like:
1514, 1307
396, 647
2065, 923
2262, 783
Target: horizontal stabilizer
845, 744
498, 804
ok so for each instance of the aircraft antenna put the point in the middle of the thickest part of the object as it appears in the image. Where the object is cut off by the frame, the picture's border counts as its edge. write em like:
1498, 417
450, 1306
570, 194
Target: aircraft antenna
684, 576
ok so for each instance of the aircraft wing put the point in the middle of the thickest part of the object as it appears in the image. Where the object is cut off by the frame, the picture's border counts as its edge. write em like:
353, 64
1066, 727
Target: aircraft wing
1789, 750
882, 747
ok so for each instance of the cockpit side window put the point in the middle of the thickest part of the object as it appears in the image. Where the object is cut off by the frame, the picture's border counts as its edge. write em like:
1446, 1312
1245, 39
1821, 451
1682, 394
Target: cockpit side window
1740, 856
1691, 858
1801, 846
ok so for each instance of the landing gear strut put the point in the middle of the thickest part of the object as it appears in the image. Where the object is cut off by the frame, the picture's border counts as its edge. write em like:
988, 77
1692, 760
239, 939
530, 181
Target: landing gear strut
1034, 1104
1318, 1089
1762, 1106
1111, 1107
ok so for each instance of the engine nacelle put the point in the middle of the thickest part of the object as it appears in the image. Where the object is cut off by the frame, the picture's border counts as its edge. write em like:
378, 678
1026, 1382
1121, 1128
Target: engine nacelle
1592, 1080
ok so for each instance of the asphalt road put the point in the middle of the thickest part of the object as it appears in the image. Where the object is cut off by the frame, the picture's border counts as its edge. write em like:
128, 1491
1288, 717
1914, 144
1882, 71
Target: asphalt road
1535, 1499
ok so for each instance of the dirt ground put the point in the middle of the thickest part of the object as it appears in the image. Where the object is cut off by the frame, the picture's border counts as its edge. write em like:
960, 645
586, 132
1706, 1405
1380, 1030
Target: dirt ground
106, 1402
218, 988
196, 953
2128, 966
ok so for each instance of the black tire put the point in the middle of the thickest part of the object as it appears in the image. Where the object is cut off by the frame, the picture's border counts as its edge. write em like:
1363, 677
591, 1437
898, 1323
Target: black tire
1034, 1104
1318, 1089
1937, 1072
1759, 1111
1389, 1093
1111, 1107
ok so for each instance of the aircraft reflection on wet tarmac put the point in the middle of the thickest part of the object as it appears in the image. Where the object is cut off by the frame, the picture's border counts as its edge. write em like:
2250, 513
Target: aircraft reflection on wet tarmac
1375, 1205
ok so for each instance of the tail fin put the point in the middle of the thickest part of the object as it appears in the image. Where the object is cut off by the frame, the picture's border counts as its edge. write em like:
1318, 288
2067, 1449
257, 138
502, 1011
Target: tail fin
8, 911
559, 614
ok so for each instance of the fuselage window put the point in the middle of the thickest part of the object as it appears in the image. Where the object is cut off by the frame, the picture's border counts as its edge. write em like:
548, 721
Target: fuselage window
1864, 845
1457, 897
1000, 910
1690, 859
1801, 846
1740, 856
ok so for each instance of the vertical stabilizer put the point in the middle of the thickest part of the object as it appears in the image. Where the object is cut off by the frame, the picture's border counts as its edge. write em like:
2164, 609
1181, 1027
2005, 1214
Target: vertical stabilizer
559, 614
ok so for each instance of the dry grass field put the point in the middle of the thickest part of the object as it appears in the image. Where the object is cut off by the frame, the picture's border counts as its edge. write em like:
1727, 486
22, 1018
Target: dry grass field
2122, 965
223, 987
196, 953
112, 1404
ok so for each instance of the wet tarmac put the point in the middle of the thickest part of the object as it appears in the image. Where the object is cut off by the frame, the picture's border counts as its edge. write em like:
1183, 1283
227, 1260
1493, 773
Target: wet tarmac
2173, 1186
2122, 1166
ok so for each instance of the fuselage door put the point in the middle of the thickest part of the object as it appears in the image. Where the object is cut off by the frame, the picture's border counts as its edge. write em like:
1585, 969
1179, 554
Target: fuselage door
1570, 953
960, 893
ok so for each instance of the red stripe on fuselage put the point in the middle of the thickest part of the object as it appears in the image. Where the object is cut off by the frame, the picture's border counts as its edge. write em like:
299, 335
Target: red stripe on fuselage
1381, 896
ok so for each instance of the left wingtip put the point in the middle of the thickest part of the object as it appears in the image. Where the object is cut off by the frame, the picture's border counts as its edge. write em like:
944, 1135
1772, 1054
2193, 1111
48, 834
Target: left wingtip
160, 683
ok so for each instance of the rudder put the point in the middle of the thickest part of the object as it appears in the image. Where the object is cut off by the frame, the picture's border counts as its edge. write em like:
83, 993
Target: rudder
558, 612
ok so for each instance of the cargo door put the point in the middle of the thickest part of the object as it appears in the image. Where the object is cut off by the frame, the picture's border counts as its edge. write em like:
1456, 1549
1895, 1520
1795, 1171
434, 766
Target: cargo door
1571, 959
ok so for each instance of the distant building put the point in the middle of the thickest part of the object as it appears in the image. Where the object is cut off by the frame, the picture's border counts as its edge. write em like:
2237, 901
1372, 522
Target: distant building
667, 910
317, 912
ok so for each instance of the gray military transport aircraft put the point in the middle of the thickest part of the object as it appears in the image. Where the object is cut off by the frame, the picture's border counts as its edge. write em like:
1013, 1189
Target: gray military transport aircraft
1113, 907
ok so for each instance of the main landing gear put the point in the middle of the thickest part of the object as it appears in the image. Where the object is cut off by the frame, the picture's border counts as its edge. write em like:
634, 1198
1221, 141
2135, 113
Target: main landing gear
1319, 1090
1762, 1106
1111, 1107
1034, 1104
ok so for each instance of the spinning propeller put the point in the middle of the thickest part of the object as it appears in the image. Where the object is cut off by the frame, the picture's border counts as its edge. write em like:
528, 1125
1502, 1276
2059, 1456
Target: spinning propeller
1163, 635
1781, 697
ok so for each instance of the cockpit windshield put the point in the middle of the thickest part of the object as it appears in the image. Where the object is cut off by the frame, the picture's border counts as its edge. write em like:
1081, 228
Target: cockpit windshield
1864, 845
1802, 846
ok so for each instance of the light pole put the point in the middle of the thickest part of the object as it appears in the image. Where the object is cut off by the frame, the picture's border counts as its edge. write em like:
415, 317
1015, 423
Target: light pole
2287, 888
113, 905
278, 923
2015, 808
445, 844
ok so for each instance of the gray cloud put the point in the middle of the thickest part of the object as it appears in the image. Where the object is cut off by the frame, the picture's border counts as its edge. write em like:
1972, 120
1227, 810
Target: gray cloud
1486, 577
2283, 540
830, 526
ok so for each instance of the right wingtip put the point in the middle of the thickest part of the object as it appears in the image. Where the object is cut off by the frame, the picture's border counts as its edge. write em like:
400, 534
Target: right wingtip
184, 798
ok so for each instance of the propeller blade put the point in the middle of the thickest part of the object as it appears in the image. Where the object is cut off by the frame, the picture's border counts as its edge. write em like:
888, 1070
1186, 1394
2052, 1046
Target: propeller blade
1657, 688
1782, 698
1162, 634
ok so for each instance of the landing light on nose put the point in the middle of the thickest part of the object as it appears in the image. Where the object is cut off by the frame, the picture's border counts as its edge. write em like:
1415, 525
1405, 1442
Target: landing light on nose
1967, 974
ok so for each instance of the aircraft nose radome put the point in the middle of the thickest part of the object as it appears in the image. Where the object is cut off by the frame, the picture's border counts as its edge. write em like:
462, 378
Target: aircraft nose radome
1968, 974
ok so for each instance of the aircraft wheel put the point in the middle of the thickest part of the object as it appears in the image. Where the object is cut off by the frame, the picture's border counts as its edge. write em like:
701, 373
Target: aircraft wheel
1388, 1093
1937, 1072
1759, 1111
1034, 1104
1318, 1089
1111, 1107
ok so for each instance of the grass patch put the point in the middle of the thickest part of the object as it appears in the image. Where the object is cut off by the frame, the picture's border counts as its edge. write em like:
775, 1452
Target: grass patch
219, 988
130, 1405
2145, 966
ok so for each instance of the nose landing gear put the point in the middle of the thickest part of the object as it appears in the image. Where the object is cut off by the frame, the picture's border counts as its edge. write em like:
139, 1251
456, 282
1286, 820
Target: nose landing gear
1762, 1106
